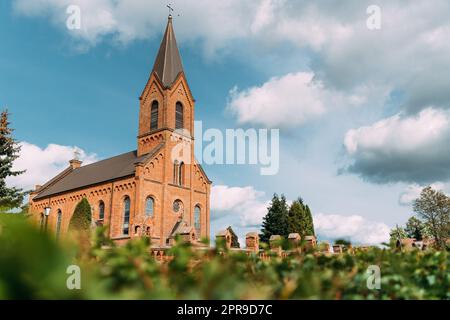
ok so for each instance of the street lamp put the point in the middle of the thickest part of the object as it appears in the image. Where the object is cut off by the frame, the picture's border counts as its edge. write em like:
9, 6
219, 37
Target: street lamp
47, 213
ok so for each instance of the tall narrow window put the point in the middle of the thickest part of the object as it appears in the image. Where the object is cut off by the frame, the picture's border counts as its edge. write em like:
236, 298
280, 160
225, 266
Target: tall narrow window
179, 121
149, 207
58, 223
154, 116
101, 210
175, 172
197, 221
181, 174
126, 216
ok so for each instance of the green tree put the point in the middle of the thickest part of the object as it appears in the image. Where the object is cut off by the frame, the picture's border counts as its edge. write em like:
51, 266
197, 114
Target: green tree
234, 238
433, 207
397, 233
308, 222
416, 229
9, 151
276, 220
343, 242
81, 219
300, 219
295, 217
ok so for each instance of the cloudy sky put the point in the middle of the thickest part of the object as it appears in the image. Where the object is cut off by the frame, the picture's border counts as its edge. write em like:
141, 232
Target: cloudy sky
364, 115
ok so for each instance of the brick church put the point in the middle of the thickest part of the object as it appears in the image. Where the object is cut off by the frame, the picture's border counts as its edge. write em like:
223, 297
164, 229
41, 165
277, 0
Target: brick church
158, 190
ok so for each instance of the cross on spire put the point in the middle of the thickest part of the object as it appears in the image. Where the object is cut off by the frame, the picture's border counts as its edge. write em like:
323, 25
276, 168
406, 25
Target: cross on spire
169, 6
76, 154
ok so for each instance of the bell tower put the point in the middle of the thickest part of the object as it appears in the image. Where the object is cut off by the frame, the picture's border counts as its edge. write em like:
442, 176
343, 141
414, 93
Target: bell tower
166, 103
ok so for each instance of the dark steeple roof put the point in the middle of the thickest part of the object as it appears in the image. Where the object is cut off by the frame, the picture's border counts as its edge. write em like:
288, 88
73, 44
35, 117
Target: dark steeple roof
168, 61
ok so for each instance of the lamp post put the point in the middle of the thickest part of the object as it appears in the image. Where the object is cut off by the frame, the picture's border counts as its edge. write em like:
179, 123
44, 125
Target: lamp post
46, 213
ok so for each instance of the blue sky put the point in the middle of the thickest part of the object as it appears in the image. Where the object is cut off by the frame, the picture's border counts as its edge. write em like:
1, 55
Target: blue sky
363, 114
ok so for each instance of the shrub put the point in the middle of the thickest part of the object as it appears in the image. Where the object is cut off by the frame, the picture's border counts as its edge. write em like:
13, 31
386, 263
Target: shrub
33, 266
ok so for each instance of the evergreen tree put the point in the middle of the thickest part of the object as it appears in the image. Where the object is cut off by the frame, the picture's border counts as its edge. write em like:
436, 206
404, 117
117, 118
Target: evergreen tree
9, 151
300, 219
276, 220
234, 238
81, 219
309, 223
295, 217
343, 242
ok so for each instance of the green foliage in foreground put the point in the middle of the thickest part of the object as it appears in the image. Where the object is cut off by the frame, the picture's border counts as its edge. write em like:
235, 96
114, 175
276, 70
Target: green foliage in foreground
33, 266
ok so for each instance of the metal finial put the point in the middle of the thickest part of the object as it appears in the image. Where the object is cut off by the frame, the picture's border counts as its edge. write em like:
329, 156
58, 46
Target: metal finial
169, 6
76, 154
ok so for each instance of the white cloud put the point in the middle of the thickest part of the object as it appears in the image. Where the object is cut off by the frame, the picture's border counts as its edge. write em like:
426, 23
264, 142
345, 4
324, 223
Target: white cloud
42, 164
245, 204
413, 191
402, 148
264, 16
224, 198
97, 17
355, 228
242, 208
127, 20
286, 101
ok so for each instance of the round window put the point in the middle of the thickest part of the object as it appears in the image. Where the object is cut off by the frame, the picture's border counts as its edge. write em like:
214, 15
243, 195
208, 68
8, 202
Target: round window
178, 206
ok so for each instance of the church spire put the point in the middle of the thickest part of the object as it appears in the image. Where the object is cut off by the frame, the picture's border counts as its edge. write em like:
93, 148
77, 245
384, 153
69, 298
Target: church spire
168, 61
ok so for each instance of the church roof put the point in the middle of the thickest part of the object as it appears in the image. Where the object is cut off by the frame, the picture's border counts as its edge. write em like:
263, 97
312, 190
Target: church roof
168, 61
117, 167
181, 227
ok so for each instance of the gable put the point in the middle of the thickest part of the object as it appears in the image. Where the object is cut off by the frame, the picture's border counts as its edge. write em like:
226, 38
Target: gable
153, 87
181, 88
201, 180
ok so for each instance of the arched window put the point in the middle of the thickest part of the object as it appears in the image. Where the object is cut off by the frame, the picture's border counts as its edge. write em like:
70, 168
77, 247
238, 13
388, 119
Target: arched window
149, 207
197, 220
179, 121
154, 116
58, 223
181, 174
126, 216
101, 210
175, 172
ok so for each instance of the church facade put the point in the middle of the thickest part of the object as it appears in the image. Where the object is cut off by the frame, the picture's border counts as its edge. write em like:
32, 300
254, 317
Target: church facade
158, 190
